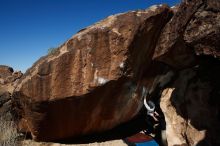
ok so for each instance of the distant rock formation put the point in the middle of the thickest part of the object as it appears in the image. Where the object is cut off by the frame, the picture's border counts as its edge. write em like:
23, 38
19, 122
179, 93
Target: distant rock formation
8, 80
98, 79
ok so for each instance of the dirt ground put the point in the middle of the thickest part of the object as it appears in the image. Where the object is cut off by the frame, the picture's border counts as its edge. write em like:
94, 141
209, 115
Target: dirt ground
107, 143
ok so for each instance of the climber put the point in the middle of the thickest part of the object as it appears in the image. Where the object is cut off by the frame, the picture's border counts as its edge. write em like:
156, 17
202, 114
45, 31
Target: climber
150, 106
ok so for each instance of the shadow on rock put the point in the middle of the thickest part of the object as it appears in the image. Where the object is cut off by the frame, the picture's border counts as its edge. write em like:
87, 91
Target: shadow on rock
196, 98
120, 132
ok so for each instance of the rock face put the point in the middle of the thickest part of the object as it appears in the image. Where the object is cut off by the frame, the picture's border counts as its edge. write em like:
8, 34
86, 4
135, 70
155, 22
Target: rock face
194, 29
98, 79
91, 83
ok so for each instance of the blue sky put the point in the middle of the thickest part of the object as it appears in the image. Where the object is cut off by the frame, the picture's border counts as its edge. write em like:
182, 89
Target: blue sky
29, 27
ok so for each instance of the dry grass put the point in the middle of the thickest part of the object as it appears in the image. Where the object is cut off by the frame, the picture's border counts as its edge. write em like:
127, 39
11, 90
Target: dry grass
8, 131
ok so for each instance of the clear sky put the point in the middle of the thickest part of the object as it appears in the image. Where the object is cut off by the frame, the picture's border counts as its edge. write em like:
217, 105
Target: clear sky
29, 27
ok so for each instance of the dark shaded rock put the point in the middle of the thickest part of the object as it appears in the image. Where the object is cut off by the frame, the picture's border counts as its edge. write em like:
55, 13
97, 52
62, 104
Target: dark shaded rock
171, 47
194, 29
4, 98
191, 105
213, 5
203, 32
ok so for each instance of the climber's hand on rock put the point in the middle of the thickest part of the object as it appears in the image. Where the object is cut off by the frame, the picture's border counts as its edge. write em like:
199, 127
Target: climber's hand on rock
156, 114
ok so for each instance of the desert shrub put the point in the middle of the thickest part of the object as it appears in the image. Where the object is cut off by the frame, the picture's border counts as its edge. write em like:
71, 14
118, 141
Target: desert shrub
8, 134
52, 50
8, 129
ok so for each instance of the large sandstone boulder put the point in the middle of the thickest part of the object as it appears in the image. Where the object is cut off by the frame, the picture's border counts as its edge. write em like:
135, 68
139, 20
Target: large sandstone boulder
91, 83
97, 79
